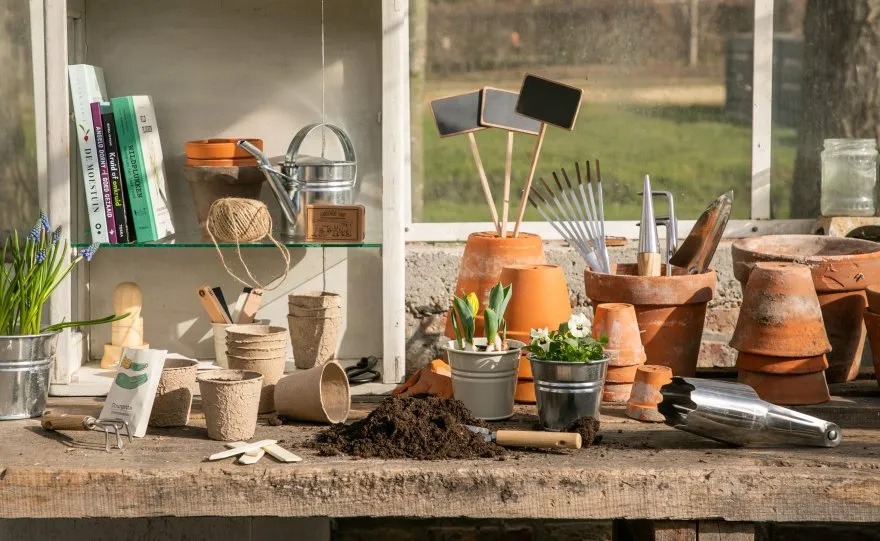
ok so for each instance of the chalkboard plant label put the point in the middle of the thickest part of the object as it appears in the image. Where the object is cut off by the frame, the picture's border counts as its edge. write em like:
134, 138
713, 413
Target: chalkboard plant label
549, 101
459, 114
498, 110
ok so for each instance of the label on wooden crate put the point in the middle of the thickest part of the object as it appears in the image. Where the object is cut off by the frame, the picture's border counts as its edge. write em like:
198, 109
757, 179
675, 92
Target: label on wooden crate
334, 223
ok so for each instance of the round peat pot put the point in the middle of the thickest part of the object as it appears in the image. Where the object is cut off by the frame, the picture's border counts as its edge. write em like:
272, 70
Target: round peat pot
565, 392
174, 395
25, 365
671, 310
485, 381
841, 269
230, 400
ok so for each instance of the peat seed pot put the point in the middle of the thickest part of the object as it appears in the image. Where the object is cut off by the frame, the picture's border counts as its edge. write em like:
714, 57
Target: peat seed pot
320, 394
174, 395
485, 381
230, 400
272, 368
314, 339
565, 392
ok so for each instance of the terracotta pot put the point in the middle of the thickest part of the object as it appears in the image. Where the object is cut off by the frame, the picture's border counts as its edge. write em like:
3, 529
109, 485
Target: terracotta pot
645, 395
271, 368
224, 162
841, 268
320, 394
219, 148
485, 256
616, 393
780, 313
540, 298
617, 322
621, 374
230, 400
671, 310
788, 389
872, 322
208, 184
768, 364
873, 294
174, 395
525, 388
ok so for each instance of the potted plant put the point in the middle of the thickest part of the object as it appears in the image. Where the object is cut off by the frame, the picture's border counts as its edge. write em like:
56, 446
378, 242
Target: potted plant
569, 370
34, 265
484, 370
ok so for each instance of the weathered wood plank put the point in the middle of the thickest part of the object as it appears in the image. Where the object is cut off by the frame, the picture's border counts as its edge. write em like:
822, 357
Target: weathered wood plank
675, 531
715, 530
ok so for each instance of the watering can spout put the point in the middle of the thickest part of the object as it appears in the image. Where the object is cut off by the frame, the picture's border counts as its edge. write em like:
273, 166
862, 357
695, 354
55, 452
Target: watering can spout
275, 178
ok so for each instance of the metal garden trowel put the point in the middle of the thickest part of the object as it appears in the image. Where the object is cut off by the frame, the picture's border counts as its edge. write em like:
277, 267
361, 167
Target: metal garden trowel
733, 413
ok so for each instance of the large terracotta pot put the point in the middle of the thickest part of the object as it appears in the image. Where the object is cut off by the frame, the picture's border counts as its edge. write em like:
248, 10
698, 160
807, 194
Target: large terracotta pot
485, 256
841, 269
671, 310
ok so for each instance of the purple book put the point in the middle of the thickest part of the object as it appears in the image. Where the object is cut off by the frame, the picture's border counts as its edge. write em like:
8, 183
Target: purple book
110, 214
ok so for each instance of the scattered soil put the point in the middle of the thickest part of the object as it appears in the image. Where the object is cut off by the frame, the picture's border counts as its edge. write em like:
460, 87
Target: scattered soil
422, 428
588, 428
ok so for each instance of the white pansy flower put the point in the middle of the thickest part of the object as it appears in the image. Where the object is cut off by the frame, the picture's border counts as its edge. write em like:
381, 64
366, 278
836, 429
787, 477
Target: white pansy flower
541, 337
579, 325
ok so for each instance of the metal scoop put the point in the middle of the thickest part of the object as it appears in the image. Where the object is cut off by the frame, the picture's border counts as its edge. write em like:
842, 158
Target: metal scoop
62, 421
733, 413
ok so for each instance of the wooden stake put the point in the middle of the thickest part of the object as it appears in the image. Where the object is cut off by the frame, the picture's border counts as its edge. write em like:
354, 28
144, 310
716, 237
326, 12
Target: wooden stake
528, 188
483, 180
648, 263
508, 159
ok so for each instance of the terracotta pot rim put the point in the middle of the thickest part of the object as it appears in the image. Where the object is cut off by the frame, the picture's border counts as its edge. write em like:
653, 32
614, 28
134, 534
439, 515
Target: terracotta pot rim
225, 163
688, 288
494, 236
751, 362
219, 148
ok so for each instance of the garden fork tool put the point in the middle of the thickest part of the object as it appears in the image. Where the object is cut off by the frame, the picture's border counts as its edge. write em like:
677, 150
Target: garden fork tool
62, 421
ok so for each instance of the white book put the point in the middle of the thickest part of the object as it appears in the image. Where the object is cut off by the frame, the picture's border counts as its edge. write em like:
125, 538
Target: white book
87, 86
151, 147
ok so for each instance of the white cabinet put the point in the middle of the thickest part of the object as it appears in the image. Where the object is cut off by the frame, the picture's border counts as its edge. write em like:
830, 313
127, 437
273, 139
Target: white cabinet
237, 68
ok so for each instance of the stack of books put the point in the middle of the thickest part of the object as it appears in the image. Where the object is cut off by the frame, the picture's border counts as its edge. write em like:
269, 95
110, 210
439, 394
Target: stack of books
121, 158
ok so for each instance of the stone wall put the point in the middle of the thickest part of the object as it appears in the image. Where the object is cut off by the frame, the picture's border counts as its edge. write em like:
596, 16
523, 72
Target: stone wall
432, 270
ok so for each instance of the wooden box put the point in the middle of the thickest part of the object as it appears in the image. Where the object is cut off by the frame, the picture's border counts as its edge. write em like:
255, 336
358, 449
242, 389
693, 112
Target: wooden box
334, 223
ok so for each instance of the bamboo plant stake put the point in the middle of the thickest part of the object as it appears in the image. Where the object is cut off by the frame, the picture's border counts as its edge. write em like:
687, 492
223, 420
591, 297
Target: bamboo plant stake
528, 188
484, 181
508, 165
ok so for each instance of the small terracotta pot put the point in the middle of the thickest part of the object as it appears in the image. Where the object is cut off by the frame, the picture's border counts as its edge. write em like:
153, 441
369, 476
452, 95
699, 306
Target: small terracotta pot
767, 364
616, 392
645, 395
207, 184
174, 395
315, 299
319, 394
618, 323
780, 313
788, 389
873, 294
485, 256
230, 400
872, 322
671, 310
525, 389
841, 269
219, 148
539, 299
621, 374
271, 368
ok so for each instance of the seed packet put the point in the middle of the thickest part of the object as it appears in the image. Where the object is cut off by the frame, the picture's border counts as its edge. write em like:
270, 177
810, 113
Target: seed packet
134, 388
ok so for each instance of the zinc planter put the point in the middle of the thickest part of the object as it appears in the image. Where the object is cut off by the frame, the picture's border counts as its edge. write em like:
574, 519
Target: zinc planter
25, 366
567, 391
485, 381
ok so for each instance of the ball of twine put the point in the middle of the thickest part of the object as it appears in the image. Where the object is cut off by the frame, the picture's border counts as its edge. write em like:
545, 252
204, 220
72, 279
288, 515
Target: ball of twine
236, 219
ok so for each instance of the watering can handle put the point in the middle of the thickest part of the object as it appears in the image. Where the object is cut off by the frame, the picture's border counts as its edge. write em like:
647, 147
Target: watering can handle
347, 147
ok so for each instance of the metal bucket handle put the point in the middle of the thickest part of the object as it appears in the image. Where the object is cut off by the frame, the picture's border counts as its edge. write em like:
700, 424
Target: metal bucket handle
347, 148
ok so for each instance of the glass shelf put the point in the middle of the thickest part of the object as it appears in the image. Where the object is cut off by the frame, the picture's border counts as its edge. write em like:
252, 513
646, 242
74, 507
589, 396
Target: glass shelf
194, 239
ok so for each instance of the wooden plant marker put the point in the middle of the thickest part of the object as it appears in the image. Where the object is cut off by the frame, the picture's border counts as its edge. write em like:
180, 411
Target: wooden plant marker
498, 110
460, 114
549, 102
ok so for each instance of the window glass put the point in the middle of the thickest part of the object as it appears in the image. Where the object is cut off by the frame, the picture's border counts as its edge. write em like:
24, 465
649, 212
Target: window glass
666, 92
18, 162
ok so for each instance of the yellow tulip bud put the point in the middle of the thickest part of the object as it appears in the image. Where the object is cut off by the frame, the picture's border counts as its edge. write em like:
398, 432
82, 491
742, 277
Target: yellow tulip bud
474, 302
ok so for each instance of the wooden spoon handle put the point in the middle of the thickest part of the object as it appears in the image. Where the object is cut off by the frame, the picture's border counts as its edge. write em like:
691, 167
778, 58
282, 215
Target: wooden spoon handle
547, 440
62, 421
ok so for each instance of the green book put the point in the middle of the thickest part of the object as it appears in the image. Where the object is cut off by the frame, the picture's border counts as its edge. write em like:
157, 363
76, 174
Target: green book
132, 157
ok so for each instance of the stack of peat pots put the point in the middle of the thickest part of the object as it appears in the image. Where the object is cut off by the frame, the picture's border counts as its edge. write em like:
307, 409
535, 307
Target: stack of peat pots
617, 322
780, 336
218, 168
872, 323
314, 320
261, 349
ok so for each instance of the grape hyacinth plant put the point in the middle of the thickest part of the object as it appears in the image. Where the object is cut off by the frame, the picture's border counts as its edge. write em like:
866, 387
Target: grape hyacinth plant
34, 265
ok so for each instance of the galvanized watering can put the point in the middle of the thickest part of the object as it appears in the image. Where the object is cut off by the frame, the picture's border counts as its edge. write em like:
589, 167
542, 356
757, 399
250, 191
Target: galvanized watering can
307, 180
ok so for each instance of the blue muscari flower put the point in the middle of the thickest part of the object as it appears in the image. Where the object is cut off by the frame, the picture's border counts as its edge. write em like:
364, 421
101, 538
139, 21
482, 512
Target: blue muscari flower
34, 235
41, 256
44, 222
56, 235
89, 252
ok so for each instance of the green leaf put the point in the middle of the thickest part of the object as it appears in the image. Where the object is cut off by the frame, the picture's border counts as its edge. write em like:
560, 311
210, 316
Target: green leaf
491, 320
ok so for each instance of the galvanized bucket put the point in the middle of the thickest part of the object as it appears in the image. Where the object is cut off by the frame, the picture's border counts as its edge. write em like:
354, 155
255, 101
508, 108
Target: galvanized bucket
25, 366
485, 382
566, 391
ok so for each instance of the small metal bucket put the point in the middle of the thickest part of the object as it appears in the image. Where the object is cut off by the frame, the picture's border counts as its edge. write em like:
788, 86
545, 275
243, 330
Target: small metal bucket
485, 381
25, 367
566, 391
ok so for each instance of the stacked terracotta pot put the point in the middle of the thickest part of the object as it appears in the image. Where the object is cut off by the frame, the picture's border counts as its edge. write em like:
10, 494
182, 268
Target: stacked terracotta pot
218, 168
872, 323
314, 320
618, 324
645, 395
262, 349
780, 336
539, 300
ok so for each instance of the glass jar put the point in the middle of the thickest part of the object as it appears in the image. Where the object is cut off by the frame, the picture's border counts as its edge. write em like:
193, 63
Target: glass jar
849, 177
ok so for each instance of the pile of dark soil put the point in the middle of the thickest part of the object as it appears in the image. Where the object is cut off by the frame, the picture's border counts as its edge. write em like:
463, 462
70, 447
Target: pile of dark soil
588, 428
426, 428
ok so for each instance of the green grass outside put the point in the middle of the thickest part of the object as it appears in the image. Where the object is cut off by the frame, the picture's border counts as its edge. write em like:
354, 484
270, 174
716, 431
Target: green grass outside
693, 151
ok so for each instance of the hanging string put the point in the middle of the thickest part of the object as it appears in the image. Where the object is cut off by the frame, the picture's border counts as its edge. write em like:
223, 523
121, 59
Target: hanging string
323, 87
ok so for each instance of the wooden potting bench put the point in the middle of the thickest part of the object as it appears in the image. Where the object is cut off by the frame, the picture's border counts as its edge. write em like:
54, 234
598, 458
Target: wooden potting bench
680, 485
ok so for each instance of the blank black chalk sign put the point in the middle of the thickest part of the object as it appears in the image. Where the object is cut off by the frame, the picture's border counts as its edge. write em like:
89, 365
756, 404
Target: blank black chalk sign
549, 101
457, 114
499, 111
